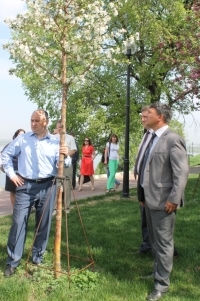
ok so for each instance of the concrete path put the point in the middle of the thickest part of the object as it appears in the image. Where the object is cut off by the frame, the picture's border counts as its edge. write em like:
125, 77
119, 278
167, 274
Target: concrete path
100, 186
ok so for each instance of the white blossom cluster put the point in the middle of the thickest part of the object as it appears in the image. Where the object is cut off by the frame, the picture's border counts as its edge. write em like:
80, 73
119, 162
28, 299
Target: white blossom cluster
49, 29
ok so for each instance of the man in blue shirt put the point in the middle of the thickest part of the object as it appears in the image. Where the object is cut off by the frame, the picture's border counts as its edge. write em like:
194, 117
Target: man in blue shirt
38, 154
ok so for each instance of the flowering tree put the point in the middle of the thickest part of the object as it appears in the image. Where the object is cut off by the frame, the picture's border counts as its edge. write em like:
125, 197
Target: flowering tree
51, 29
56, 42
186, 62
164, 67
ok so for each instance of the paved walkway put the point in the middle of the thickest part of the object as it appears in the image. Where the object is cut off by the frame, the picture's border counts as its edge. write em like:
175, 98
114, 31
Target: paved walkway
100, 185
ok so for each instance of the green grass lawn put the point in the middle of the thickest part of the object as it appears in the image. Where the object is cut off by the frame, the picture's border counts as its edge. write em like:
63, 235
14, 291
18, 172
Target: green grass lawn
195, 160
113, 230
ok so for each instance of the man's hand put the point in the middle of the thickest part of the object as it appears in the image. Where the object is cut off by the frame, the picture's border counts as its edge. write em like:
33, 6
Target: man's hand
17, 180
64, 150
170, 207
142, 204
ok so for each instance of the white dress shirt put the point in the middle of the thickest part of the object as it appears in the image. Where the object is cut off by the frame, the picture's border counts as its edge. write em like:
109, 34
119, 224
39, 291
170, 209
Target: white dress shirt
143, 148
158, 133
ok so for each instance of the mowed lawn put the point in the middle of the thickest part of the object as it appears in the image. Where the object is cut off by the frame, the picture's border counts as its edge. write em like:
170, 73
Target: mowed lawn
113, 231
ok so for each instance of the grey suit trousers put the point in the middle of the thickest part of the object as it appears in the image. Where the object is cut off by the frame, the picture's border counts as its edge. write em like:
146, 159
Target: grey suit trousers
161, 229
68, 173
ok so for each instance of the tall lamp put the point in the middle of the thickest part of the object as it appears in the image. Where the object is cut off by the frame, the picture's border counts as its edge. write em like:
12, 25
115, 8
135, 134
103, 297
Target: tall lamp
131, 47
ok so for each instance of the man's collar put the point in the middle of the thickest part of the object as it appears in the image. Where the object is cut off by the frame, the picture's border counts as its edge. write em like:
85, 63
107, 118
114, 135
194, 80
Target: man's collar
151, 131
48, 135
161, 130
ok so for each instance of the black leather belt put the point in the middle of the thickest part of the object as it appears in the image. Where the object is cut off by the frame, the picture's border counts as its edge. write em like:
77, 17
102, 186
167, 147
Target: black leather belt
38, 181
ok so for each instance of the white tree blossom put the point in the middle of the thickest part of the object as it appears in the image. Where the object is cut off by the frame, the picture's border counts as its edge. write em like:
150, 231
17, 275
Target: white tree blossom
51, 28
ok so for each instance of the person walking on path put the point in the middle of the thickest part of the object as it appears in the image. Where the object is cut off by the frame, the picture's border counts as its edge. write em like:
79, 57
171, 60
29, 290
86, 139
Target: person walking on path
10, 186
38, 154
116, 181
112, 159
87, 164
162, 177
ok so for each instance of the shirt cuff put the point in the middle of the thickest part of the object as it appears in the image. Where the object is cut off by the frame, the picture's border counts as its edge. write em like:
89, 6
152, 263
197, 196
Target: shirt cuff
68, 161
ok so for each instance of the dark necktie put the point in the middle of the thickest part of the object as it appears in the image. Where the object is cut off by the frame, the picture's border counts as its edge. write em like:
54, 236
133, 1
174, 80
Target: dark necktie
144, 160
139, 153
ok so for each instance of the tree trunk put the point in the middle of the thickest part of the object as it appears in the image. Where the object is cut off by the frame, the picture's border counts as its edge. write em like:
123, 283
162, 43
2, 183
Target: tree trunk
57, 243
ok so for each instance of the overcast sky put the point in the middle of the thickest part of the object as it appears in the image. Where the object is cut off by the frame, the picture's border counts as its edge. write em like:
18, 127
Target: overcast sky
15, 110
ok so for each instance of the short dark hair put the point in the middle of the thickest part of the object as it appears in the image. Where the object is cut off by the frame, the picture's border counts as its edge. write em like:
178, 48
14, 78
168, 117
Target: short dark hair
162, 109
17, 133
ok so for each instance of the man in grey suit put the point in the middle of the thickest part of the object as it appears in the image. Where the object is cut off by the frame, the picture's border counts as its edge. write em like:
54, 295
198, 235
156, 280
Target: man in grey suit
145, 246
163, 176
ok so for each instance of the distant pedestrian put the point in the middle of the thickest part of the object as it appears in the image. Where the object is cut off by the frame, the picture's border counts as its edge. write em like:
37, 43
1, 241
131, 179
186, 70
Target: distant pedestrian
87, 164
112, 153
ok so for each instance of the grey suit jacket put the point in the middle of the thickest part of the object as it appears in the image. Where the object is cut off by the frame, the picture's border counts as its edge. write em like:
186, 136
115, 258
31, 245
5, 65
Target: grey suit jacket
166, 172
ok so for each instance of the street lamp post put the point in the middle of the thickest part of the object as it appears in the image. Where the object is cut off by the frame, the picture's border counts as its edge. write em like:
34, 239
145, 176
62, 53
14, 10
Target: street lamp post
130, 49
125, 192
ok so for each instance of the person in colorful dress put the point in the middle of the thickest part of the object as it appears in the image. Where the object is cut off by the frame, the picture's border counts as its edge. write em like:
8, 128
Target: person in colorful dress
87, 167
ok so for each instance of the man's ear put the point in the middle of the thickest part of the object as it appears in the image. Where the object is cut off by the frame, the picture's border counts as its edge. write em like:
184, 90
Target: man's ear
161, 117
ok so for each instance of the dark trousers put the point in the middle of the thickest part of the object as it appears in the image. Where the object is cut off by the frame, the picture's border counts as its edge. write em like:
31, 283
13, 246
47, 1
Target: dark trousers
145, 246
29, 194
74, 166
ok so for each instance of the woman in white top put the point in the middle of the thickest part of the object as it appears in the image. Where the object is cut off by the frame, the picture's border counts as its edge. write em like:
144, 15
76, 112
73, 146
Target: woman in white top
112, 152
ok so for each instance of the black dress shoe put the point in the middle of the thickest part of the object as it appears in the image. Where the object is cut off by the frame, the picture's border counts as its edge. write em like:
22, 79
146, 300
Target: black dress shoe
9, 271
155, 295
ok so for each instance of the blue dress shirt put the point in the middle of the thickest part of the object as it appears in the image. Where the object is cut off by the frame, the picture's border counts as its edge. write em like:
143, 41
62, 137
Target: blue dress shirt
37, 157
